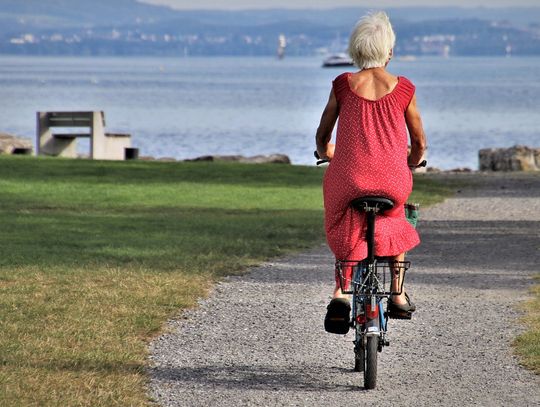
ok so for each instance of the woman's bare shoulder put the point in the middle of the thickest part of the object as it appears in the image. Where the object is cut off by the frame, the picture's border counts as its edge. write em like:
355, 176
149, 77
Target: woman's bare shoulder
380, 76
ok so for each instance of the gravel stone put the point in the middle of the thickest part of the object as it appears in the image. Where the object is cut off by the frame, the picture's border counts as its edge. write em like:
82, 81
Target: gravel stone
258, 340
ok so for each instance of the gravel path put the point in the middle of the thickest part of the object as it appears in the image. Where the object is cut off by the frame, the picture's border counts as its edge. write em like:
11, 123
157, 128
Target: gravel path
258, 340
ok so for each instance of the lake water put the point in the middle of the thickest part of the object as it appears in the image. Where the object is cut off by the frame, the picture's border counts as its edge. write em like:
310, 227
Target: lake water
188, 107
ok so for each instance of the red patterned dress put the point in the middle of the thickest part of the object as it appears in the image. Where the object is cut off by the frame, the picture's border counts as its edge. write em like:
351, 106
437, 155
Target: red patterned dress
370, 159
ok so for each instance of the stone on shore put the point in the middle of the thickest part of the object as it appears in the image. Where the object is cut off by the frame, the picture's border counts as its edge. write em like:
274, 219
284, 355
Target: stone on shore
517, 158
257, 159
9, 144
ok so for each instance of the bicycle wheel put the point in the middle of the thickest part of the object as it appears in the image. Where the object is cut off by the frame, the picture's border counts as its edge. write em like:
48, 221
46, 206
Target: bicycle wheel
370, 375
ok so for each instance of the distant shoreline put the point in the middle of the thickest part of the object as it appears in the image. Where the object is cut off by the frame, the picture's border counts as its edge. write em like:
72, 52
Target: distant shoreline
189, 107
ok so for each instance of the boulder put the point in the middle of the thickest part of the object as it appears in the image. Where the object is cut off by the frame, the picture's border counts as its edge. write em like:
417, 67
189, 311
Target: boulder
217, 158
461, 170
267, 159
10, 144
517, 158
257, 159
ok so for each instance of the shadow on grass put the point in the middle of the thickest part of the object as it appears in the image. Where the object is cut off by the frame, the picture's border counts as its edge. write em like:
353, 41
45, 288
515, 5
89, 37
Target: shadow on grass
168, 239
55, 365
142, 172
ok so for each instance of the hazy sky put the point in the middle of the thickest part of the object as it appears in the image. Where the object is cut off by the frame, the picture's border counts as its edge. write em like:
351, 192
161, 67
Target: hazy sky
252, 4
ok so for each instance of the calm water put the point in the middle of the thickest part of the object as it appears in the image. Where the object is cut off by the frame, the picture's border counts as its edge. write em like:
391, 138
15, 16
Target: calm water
188, 107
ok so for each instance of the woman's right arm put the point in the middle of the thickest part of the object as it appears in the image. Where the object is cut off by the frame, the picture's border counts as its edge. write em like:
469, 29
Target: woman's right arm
326, 126
416, 132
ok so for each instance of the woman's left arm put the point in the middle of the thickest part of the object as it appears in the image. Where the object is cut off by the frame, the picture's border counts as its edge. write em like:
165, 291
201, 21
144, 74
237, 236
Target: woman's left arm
326, 127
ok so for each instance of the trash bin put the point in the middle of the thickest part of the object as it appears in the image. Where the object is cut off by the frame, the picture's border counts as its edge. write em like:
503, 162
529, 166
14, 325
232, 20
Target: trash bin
131, 153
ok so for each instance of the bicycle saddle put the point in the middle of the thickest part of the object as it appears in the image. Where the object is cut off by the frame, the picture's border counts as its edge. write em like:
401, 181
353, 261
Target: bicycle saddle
364, 202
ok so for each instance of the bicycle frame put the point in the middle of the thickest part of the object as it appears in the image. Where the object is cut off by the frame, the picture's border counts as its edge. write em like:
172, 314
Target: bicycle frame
368, 285
369, 317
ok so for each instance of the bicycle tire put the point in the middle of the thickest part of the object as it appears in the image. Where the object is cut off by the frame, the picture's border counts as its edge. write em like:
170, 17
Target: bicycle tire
370, 374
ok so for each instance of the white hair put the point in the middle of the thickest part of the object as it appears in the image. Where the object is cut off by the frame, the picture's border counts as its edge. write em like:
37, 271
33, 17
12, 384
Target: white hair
372, 40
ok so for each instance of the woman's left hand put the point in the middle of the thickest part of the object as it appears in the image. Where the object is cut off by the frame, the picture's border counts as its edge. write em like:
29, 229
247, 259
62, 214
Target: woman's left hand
329, 153
325, 149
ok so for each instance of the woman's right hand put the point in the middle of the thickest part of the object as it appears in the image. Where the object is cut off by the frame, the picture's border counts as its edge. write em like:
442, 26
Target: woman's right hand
416, 132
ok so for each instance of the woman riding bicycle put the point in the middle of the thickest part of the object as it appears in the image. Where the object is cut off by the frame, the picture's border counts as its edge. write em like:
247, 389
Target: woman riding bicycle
377, 111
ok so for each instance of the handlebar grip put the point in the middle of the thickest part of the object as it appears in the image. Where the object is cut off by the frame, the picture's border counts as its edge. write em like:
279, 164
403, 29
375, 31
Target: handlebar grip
319, 159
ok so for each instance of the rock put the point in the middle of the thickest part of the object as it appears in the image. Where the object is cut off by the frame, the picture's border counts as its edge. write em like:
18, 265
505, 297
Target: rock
267, 159
9, 143
258, 159
202, 158
517, 158
461, 170
217, 158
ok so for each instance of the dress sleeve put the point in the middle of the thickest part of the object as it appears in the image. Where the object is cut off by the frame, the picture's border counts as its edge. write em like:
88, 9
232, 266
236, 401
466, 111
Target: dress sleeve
340, 86
406, 92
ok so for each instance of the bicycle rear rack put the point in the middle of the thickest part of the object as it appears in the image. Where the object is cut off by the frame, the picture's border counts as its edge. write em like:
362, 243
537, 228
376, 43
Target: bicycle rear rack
354, 276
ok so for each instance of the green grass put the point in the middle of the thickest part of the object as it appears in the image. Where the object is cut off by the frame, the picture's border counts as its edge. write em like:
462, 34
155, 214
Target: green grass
528, 344
95, 256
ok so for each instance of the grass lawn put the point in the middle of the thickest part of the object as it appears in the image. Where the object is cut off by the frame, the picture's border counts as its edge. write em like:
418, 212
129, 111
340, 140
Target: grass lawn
528, 343
96, 256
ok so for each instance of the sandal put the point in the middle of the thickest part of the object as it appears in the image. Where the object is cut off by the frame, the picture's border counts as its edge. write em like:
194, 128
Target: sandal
400, 311
411, 304
337, 320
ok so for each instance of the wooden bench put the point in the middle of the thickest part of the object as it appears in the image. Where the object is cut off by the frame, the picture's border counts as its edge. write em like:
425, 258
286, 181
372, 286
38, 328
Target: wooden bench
103, 146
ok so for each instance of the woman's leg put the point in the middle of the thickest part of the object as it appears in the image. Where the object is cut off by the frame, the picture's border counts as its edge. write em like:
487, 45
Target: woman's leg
337, 292
347, 271
397, 278
397, 281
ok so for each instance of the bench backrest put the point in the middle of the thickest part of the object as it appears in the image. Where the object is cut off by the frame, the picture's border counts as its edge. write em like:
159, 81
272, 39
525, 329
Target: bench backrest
71, 119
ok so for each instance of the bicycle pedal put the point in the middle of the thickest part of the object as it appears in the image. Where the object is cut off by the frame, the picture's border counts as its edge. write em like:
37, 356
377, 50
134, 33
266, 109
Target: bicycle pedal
399, 315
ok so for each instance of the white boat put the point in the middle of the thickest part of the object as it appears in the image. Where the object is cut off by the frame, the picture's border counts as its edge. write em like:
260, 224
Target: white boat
406, 58
282, 44
336, 60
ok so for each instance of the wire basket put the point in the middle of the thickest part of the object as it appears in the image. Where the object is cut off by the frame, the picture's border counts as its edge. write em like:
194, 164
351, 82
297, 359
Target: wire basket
354, 276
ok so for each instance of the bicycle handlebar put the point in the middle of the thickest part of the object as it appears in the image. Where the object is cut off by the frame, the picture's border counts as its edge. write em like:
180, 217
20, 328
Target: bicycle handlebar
320, 161
422, 163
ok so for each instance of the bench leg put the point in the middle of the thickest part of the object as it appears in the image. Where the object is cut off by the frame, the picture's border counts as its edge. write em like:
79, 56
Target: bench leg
46, 144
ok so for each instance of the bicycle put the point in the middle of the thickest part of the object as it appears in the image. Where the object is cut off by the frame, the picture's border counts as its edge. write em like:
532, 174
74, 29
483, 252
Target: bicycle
370, 283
